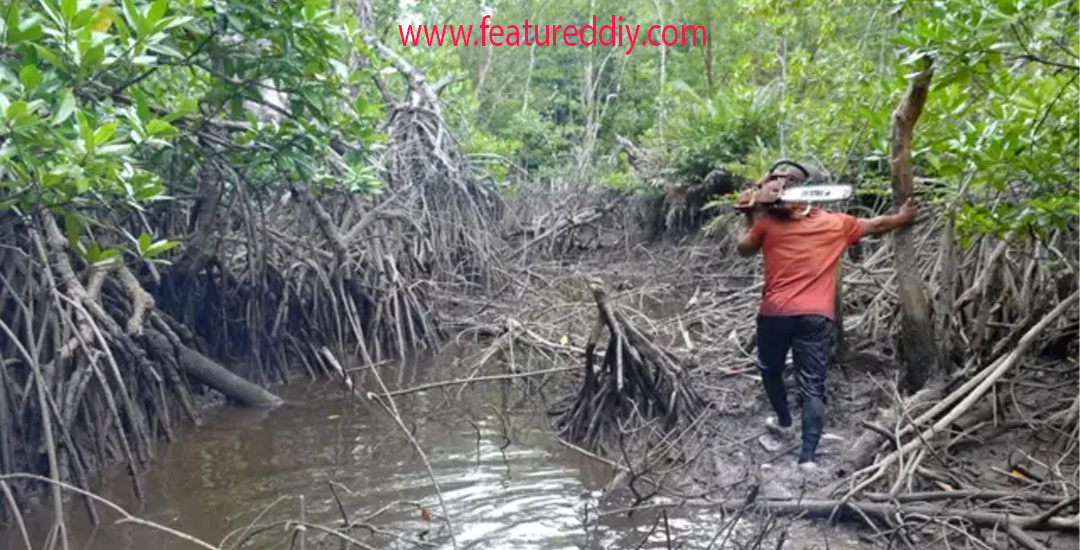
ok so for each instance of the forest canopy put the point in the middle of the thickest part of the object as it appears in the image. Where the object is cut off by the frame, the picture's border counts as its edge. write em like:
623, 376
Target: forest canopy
105, 104
109, 105
800, 79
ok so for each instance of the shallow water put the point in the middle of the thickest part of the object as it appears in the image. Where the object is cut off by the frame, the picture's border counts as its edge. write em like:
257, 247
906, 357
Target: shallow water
505, 482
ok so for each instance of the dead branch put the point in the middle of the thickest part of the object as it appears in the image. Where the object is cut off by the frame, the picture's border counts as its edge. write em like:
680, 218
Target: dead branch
474, 379
889, 511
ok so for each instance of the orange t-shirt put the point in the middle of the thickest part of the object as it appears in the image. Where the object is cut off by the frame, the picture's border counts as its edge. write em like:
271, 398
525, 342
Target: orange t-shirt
801, 257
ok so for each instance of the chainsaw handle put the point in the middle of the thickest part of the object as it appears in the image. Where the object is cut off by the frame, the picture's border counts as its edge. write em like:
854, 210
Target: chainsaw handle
797, 166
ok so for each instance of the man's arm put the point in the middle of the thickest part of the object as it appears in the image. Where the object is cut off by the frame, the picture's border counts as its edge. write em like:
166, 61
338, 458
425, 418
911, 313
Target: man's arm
884, 224
750, 241
749, 244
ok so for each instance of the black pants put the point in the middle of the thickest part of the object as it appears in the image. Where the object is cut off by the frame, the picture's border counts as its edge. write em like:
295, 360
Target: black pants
809, 337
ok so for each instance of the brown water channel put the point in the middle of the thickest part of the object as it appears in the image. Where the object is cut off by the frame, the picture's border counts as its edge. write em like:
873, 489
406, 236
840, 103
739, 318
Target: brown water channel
506, 482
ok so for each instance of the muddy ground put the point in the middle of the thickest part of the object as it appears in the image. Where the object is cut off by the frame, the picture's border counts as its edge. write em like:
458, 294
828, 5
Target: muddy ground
700, 303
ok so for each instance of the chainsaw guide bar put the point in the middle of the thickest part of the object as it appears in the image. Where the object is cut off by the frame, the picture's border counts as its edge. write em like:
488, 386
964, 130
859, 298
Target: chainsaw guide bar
786, 189
817, 193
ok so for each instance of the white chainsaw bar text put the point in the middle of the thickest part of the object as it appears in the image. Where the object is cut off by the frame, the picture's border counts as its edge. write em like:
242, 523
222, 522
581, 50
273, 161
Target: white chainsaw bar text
817, 193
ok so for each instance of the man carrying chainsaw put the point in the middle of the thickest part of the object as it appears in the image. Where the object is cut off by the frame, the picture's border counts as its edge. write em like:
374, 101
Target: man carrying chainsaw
802, 248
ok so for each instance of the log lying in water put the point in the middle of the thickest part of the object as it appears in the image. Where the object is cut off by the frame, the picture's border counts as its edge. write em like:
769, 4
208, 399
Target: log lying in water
637, 382
211, 373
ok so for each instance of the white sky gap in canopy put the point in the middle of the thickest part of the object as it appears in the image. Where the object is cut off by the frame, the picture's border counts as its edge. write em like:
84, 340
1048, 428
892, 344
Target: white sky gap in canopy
409, 15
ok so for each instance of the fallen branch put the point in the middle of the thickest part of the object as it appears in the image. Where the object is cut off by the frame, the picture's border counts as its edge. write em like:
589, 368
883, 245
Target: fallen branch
126, 517
214, 375
971, 494
891, 510
967, 394
491, 378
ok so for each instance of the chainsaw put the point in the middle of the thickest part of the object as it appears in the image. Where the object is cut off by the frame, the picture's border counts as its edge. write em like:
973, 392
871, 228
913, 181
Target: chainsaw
788, 190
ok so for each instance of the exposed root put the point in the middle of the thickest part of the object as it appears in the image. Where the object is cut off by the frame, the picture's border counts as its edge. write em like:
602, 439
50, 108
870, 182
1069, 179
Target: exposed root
682, 208
637, 383
100, 361
952, 407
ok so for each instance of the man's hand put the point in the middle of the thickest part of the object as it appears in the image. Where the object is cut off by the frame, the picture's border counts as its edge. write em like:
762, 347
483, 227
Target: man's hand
884, 224
908, 212
746, 199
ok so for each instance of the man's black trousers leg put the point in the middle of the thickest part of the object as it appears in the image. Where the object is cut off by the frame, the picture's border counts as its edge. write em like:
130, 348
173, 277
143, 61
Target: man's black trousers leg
811, 348
773, 341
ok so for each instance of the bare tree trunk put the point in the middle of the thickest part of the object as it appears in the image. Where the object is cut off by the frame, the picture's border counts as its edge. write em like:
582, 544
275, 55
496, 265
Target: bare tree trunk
365, 23
916, 346
486, 58
783, 96
589, 99
595, 108
708, 52
365, 15
755, 55
663, 72
528, 77
948, 291
595, 111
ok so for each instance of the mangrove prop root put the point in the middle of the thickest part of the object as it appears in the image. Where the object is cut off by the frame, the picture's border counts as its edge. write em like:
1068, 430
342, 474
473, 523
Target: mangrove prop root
110, 357
638, 381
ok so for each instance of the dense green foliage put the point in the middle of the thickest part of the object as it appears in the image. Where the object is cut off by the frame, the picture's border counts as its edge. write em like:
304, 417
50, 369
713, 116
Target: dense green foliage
107, 104
812, 79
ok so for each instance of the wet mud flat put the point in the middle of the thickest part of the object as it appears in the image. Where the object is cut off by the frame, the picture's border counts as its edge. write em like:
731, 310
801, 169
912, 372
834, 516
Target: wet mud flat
700, 303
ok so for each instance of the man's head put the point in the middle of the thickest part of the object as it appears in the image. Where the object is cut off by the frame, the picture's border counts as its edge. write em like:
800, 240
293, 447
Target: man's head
784, 178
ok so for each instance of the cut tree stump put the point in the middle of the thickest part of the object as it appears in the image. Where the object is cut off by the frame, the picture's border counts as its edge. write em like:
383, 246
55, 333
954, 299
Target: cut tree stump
638, 383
